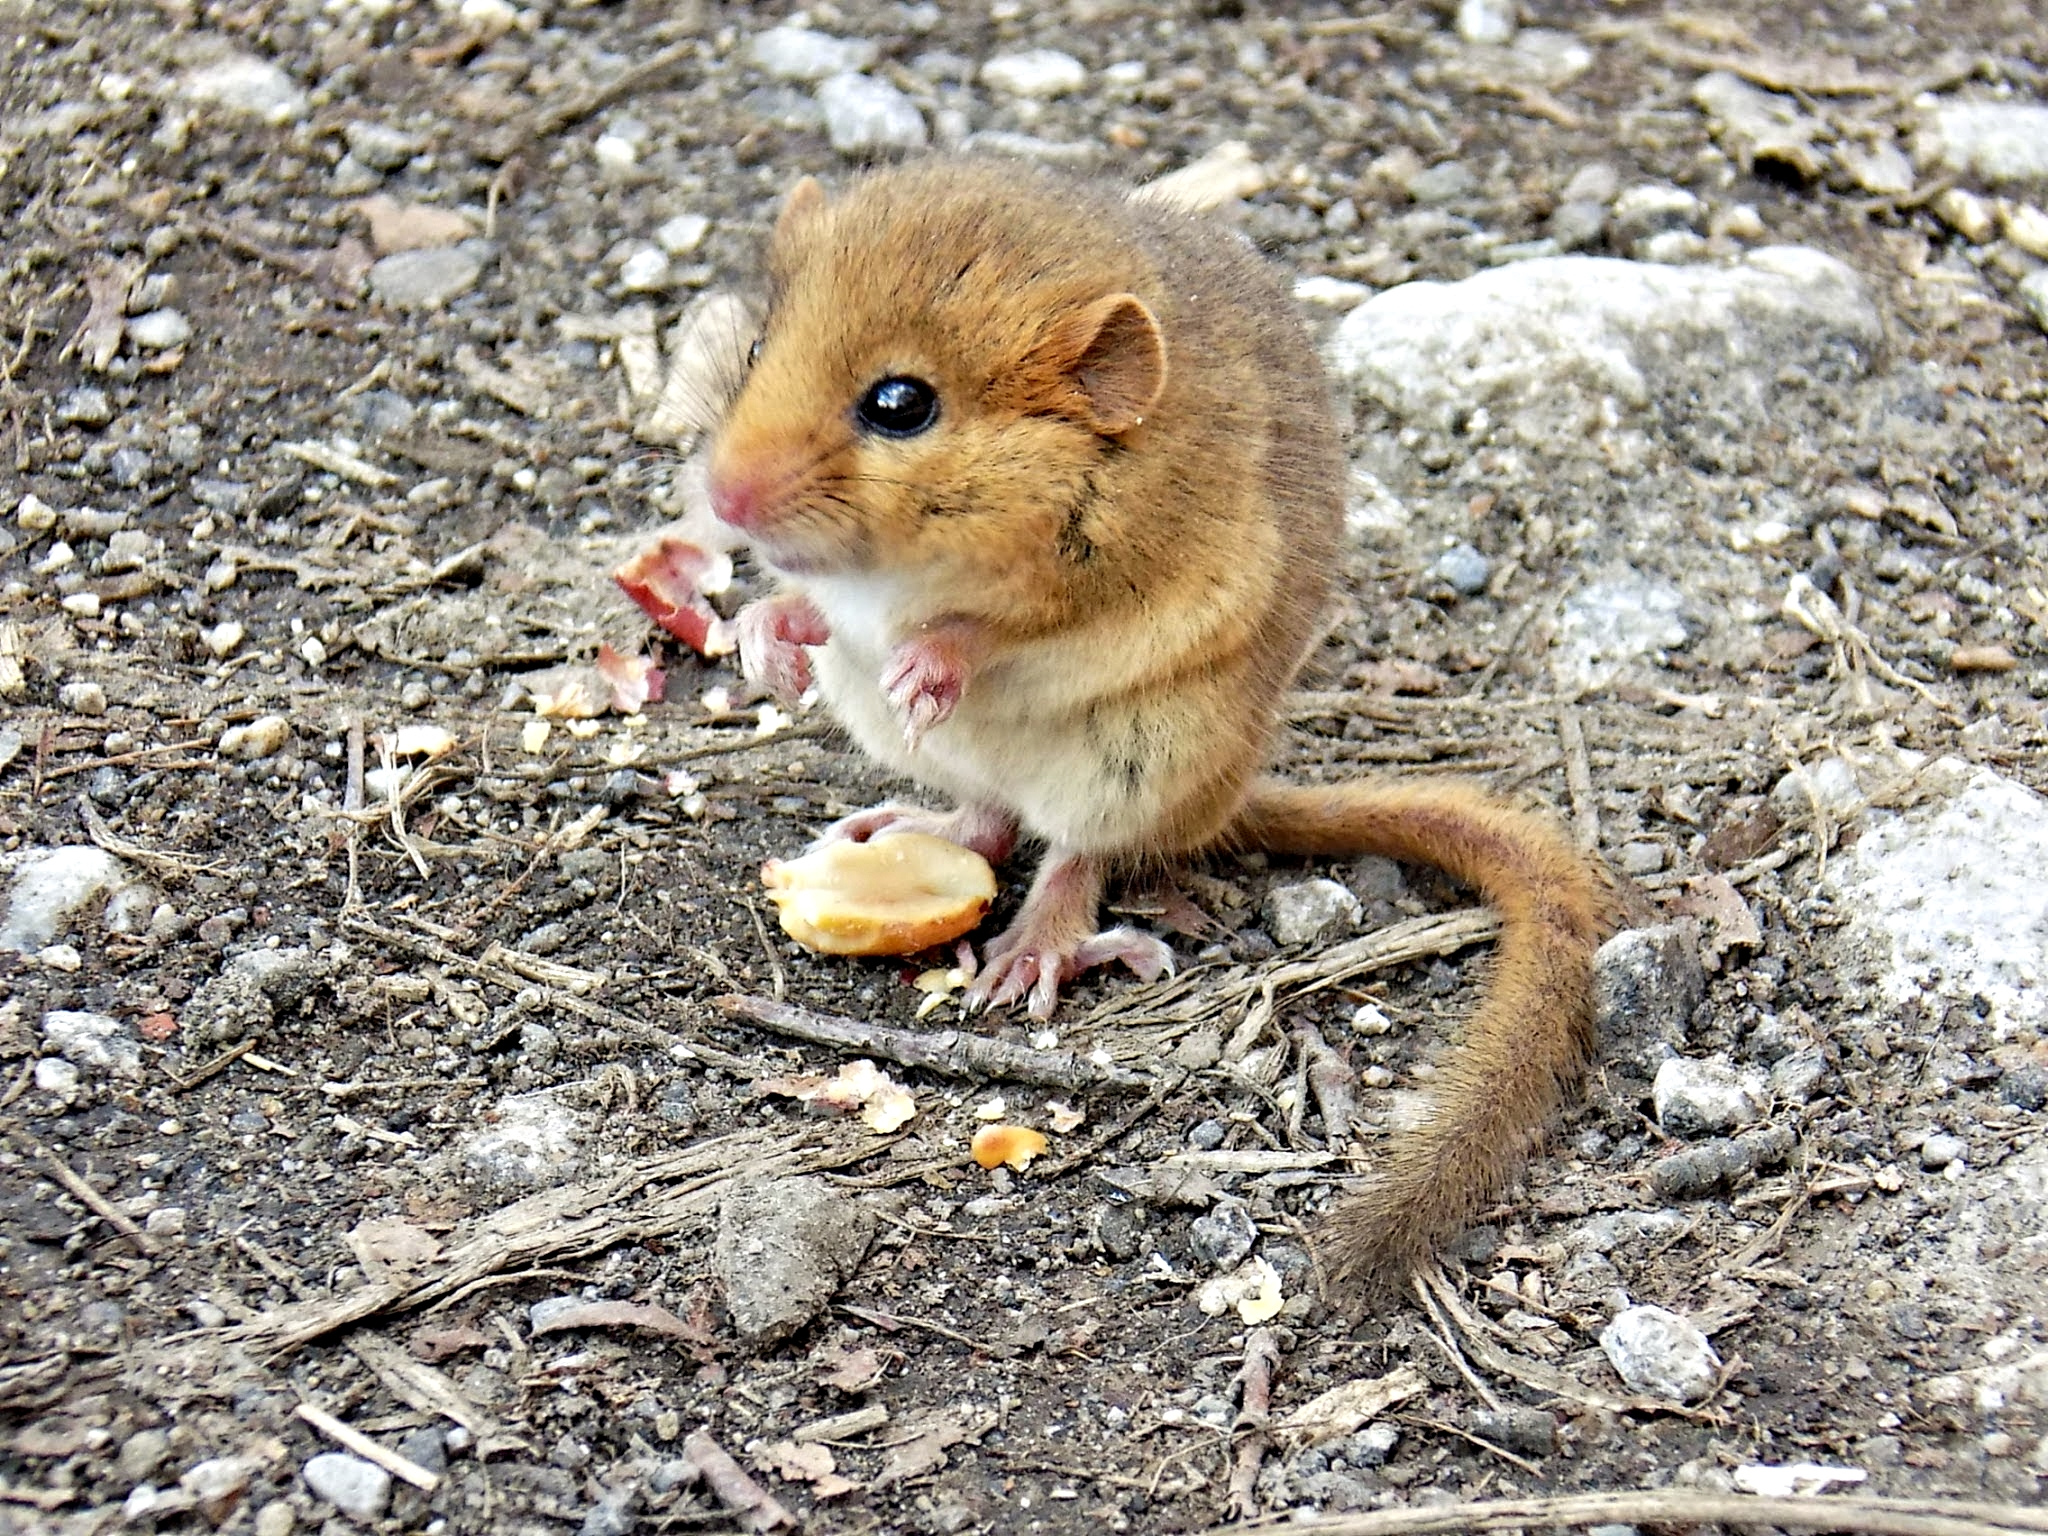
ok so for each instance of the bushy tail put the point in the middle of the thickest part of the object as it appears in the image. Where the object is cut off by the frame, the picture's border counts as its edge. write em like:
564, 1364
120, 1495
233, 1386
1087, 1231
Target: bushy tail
1525, 1047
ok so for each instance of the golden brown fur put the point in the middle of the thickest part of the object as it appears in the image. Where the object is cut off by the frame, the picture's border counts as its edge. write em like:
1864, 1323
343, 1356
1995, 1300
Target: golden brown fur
1120, 536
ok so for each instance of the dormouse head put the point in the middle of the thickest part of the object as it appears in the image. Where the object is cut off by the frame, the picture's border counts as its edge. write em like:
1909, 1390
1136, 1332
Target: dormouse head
950, 349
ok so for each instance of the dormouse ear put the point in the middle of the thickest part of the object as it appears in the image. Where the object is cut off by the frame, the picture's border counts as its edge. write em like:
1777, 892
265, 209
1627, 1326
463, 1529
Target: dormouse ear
803, 202
1121, 368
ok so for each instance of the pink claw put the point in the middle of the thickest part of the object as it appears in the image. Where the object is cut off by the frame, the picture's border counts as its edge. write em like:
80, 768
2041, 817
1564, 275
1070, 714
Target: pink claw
990, 833
924, 681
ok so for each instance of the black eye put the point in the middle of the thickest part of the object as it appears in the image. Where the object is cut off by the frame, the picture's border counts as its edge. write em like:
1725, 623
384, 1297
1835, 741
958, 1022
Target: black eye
898, 407
754, 352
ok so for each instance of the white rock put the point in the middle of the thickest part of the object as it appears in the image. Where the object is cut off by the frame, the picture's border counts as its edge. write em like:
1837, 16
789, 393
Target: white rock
1555, 340
1034, 72
1310, 910
1942, 1149
1660, 1354
2026, 227
251, 86
1997, 141
265, 736
864, 114
1949, 896
645, 271
93, 1041
1330, 292
1549, 58
1696, 1097
2033, 292
1611, 622
50, 884
1880, 169
1966, 213
1828, 786
615, 153
160, 330
533, 1141
56, 1075
798, 53
223, 638
83, 698
353, 1486
61, 957
1486, 21
682, 234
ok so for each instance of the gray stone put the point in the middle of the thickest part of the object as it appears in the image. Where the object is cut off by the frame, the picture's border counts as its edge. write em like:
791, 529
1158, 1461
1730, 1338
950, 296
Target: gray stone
1463, 568
217, 1486
1699, 1097
1880, 169
1699, 1169
1526, 1431
1577, 224
1757, 125
784, 1247
1646, 984
425, 279
94, 1041
1947, 896
864, 114
1372, 1445
1444, 183
1035, 72
1223, 1238
1551, 345
1796, 1078
1653, 208
141, 1454
682, 234
1612, 622
1660, 1354
798, 53
1997, 141
1310, 911
247, 86
85, 405
379, 147
360, 1489
49, 886
533, 1142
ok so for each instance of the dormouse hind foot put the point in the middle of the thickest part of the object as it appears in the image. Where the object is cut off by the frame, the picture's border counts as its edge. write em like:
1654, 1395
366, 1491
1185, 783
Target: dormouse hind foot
1052, 941
989, 832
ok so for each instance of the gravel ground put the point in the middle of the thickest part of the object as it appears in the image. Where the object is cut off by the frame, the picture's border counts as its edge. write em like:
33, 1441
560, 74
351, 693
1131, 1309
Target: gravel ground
1700, 439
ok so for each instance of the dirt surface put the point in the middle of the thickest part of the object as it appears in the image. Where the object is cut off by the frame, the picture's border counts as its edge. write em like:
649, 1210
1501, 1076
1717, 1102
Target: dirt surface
347, 1042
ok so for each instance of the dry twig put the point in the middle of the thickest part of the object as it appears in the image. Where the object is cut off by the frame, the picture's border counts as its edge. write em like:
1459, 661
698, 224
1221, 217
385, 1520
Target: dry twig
953, 1052
752, 1505
362, 1445
1255, 1406
1676, 1507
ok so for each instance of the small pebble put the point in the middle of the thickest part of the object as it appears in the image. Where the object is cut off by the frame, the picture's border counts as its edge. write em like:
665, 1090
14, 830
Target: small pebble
250, 86
863, 114
223, 639
1310, 910
160, 330
1463, 568
425, 279
1038, 72
645, 271
1660, 1354
799, 54
1941, 1149
352, 1485
1487, 21
682, 234
1224, 1237
83, 698
260, 738
85, 405
379, 147
1697, 1097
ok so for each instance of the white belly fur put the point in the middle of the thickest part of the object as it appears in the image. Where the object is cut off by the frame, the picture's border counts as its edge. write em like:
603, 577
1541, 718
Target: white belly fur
1018, 738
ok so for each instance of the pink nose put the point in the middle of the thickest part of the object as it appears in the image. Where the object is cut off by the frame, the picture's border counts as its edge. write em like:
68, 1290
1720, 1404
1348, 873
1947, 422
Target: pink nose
738, 503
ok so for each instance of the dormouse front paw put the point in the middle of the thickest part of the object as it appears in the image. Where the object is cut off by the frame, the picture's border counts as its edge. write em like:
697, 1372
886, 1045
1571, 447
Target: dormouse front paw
925, 679
772, 635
